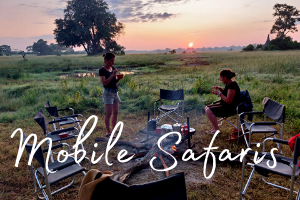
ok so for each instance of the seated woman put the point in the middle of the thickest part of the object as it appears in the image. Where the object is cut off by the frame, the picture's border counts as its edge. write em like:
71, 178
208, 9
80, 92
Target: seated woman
230, 98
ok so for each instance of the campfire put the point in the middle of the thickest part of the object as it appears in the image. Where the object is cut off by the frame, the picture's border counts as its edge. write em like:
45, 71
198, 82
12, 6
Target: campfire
162, 156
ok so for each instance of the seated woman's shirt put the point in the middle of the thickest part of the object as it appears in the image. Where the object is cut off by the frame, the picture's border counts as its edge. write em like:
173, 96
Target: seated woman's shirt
236, 99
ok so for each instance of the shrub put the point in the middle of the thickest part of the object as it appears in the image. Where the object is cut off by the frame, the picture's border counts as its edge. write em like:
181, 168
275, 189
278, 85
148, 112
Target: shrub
250, 47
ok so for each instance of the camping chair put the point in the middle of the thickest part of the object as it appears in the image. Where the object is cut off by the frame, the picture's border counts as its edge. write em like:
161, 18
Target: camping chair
166, 110
272, 110
43, 180
245, 105
54, 135
53, 111
287, 167
170, 188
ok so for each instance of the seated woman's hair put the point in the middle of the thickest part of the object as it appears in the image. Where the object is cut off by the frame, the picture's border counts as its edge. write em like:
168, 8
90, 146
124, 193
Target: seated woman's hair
228, 73
108, 56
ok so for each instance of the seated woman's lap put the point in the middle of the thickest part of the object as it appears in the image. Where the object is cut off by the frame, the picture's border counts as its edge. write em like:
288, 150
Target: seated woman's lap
220, 110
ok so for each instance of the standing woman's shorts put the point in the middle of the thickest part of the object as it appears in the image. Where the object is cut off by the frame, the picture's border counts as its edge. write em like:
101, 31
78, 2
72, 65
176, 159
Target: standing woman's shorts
110, 97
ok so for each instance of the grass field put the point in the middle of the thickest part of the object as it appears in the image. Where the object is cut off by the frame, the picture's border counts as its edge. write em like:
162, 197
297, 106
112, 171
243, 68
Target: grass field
26, 85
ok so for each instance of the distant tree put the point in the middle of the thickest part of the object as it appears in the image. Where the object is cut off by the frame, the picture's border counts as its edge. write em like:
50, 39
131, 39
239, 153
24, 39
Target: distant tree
42, 47
29, 49
173, 51
287, 16
5, 49
112, 46
250, 47
87, 23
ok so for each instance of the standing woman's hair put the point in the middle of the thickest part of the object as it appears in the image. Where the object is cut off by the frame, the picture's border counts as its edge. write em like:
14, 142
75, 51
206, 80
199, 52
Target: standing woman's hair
228, 73
108, 56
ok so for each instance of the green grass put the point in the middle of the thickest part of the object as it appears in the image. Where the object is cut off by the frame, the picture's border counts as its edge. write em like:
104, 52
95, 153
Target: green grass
26, 85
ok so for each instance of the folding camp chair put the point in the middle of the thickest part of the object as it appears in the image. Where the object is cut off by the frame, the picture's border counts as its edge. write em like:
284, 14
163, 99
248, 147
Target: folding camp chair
245, 105
54, 135
53, 111
166, 110
43, 180
273, 110
287, 167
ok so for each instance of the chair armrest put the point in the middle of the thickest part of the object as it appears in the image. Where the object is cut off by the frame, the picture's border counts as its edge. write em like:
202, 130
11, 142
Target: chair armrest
280, 141
263, 123
274, 140
157, 100
69, 116
250, 112
269, 157
61, 120
63, 130
57, 146
62, 109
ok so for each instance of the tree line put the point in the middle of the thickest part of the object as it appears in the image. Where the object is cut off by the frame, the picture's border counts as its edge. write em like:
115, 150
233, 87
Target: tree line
285, 22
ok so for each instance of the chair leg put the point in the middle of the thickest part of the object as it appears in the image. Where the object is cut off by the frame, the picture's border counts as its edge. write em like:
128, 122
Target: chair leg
248, 182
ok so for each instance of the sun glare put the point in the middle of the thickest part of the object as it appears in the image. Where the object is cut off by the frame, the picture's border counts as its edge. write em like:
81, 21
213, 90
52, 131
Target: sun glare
191, 44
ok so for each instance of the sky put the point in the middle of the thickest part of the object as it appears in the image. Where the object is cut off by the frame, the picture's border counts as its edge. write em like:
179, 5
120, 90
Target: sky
152, 24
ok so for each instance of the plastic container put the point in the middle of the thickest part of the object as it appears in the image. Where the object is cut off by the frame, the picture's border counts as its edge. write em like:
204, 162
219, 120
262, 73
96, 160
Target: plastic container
158, 130
63, 134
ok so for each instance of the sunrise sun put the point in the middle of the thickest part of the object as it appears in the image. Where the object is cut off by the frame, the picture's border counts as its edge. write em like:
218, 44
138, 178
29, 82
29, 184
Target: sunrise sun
191, 44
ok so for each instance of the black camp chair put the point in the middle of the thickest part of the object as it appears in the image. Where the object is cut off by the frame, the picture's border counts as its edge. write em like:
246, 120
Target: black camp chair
272, 110
43, 180
63, 120
171, 188
287, 167
54, 135
166, 110
244, 106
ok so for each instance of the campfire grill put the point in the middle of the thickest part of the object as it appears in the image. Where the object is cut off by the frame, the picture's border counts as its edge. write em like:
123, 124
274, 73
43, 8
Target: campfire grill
152, 133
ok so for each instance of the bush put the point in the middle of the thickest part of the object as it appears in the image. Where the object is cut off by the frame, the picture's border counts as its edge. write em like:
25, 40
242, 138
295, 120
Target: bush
285, 43
250, 47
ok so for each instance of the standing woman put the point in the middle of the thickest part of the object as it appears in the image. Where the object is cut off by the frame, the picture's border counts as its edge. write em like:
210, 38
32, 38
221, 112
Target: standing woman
110, 95
230, 99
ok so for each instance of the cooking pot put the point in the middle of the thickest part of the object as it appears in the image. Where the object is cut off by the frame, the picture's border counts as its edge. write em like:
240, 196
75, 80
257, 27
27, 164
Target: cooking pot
177, 127
151, 126
166, 128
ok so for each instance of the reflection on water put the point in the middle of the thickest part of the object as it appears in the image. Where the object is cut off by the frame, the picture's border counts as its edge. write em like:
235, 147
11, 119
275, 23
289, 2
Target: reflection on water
90, 74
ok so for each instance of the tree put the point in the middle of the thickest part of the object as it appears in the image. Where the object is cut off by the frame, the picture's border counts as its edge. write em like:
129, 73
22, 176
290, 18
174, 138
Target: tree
5, 49
87, 23
29, 49
42, 47
250, 47
287, 16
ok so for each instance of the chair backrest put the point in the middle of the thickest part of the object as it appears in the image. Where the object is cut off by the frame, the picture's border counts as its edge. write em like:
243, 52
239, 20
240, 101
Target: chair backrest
296, 151
171, 94
41, 120
246, 100
275, 111
51, 110
38, 155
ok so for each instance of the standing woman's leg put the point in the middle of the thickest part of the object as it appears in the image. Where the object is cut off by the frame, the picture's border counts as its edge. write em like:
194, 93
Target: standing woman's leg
115, 111
212, 118
108, 113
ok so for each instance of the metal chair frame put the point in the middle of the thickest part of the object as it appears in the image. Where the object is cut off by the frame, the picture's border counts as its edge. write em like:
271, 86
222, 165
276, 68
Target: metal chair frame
54, 135
40, 175
264, 123
173, 109
288, 162
64, 120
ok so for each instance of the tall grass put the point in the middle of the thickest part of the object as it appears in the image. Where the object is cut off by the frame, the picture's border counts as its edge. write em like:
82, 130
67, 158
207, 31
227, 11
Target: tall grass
26, 85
